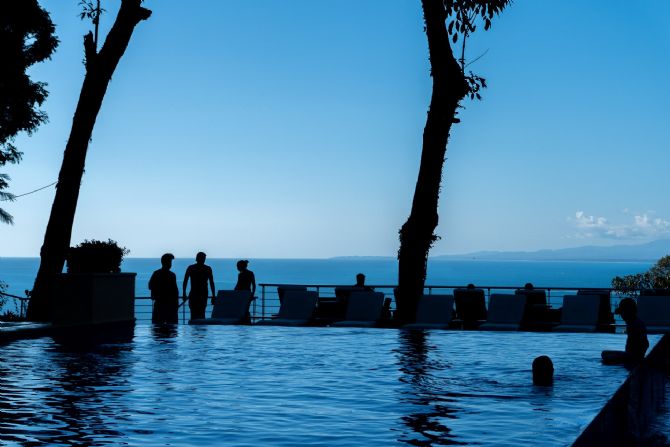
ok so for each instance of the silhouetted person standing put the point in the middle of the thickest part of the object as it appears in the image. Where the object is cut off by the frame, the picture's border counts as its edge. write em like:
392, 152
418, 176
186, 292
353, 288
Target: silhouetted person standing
164, 293
199, 274
246, 280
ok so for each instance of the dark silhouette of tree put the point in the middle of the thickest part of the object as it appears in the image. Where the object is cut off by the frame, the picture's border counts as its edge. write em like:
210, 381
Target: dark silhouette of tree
451, 84
99, 69
26, 38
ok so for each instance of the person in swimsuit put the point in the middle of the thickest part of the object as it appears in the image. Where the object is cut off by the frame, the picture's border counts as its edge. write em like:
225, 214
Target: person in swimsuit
199, 274
246, 280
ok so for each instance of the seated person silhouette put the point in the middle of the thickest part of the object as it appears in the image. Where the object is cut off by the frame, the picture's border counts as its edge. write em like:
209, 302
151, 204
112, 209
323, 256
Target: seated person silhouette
537, 309
343, 293
636, 338
543, 371
470, 304
360, 283
164, 293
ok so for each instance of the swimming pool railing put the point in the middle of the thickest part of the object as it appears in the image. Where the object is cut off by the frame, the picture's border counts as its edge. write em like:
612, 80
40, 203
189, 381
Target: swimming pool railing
266, 304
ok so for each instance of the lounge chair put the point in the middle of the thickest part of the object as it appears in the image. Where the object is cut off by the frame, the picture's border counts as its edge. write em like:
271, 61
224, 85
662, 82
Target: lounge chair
470, 306
433, 312
580, 313
605, 315
281, 290
297, 309
363, 310
654, 311
230, 307
505, 312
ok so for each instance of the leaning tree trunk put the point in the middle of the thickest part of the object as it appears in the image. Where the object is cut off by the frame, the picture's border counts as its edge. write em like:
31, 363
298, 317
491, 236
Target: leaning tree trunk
416, 235
99, 69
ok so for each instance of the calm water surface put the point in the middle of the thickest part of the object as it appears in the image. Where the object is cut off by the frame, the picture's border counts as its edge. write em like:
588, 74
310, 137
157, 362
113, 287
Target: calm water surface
253, 386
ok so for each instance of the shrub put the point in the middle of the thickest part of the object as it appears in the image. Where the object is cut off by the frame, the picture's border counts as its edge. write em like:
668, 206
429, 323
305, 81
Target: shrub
96, 257
657, 277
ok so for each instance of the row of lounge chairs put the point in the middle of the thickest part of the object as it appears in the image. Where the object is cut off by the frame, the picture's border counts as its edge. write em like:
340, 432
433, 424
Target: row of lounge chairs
586, 311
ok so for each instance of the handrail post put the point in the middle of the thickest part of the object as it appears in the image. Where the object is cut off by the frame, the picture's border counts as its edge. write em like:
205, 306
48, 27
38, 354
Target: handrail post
263, 304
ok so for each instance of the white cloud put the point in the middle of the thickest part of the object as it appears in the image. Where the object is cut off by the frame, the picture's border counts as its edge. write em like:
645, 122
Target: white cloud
642, 227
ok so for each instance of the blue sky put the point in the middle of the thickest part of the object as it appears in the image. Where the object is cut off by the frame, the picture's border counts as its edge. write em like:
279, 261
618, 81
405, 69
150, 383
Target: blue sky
293, 129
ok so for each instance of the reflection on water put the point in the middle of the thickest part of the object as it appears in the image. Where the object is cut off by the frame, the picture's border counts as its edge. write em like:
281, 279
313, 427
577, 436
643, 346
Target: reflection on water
62, 395
243, 386
429, 426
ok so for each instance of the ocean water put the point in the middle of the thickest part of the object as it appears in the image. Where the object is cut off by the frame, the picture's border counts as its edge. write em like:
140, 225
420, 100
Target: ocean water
19, 273
268, 386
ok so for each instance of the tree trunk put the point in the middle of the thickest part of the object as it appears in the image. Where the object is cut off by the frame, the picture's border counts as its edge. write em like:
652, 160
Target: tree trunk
416, 235
99, 69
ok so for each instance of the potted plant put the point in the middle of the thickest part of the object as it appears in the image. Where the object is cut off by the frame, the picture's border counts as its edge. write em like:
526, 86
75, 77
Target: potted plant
94, 291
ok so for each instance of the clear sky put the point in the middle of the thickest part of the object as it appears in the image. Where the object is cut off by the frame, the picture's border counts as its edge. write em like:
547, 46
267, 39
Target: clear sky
289, 129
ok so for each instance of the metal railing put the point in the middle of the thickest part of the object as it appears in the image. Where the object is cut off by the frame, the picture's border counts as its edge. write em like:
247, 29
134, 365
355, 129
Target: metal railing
22, 306
267, 304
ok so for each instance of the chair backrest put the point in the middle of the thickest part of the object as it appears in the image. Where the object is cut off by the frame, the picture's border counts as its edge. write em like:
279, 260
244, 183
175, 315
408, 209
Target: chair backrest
470, 304
581, 309
654, 310
505, 308
281, 290
534, 297
231, 304
605, 315
435, 309
364, 306
298, 305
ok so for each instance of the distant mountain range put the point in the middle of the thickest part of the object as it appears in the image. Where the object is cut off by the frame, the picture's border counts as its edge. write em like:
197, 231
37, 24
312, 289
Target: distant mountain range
650, 251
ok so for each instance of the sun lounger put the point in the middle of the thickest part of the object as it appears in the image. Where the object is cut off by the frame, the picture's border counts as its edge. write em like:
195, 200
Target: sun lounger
297, 309
605, 315
433, 312
230, 307
654, 311
470, 306
364, 309
281, 290
580, 313
505, 312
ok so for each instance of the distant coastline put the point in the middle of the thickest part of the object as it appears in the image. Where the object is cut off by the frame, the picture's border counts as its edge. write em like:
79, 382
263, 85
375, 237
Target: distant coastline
646, 252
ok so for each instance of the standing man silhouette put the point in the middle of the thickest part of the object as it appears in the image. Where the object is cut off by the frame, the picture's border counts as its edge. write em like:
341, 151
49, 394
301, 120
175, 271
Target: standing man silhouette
200, 274
164, 293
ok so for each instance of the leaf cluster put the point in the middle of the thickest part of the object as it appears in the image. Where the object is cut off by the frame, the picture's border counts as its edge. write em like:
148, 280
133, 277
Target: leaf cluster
27, 36
464, 14
93, 256
463, 17
90, 11
657, 277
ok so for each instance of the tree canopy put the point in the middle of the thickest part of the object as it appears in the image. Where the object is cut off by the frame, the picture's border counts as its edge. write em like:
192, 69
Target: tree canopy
657, 277
26, 38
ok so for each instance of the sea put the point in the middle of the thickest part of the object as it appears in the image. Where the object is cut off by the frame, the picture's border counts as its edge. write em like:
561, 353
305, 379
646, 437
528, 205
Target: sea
19, 273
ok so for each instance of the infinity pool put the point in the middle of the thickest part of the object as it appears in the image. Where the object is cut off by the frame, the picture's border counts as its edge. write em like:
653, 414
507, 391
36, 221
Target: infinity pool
258, 386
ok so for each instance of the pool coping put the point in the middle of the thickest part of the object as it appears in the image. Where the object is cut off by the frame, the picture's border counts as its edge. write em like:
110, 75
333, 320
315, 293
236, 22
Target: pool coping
625, 418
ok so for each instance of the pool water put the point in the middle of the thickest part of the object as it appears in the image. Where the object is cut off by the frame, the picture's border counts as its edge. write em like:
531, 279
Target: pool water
257, 386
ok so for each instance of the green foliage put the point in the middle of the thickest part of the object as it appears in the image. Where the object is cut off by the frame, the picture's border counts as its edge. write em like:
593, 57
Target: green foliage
26, 38
463, 17
657, 277
96, 257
